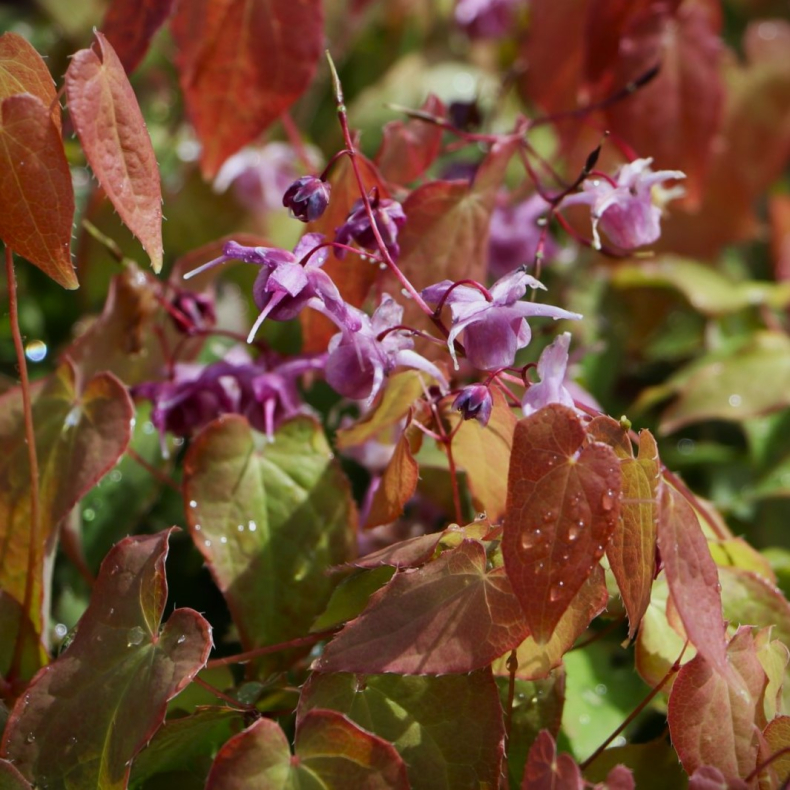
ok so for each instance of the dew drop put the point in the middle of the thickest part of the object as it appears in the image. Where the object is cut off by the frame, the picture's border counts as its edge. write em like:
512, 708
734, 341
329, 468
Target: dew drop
207, 543
607, 500
481, 516
88, 514
61, 630
735, 401
197, 527
556, 591
30, 738
72, 739
252, 526
135, 636
531, 539
240, 528
548, 517
574, 530
192, 503
181, 639
36, 350
112, 611
73, 417
223, 539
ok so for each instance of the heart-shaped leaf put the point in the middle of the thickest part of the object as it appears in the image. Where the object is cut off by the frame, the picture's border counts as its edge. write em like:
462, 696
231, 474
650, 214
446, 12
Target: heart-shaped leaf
86, 715
562, 507
112, 131
130, 24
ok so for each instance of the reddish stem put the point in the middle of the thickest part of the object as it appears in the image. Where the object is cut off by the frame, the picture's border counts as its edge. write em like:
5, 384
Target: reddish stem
158, 474
234, 703
242, 658
295, 139
30, 438
763, 765
469, 283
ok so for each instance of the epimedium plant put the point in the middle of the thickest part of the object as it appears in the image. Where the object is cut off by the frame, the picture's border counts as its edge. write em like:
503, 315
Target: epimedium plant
436, 558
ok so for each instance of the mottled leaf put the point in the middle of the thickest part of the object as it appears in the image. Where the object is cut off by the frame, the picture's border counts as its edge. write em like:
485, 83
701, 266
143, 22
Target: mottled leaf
79, 437
36, 196
537, 661
449, 616
331, 753
22, 70
676, 116
242, 63
711, 721
413, 714
562, 507
129, 25
632, 551
692, 577
353, 275
777, 734
396, 486
120, 670
112, 131
484, 453
410, 147
186, 742
289, 519
547, 770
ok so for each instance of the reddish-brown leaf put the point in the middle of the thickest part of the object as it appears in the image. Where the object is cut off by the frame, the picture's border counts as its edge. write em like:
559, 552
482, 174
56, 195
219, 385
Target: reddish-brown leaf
711, 720
547, 770
130, 25
779, 211
562, 507
397, 485
241, 64
410, 147
484, 453
354, 277
79, 437
632, 551
536, 661
331, 752
112, 131
22, 70
36, 196
675, 118
692, 577
449, 616
87, 714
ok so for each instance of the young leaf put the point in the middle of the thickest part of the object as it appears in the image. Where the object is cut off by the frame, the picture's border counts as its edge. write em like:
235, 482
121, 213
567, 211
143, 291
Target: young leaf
397, 485
412, 713
289, 519
484, 453
547, 770
112, 131
120, 667
129, 25
241, 64
692, 577
777, 735
36, 195
711, 720
410, 147
22, 70
331, 753
449, 616
79, 437
562, 507
537, 661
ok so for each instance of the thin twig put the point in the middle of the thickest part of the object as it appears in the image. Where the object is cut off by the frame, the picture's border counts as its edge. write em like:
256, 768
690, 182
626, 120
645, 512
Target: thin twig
152, 470
243, 658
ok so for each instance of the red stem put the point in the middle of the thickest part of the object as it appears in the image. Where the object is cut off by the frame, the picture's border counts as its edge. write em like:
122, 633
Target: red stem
30, 438
763, 765
158, 474
234, 703
242, 658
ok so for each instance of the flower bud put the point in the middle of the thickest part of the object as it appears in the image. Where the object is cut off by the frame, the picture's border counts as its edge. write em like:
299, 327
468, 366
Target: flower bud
475, 403
307, 198
192, 311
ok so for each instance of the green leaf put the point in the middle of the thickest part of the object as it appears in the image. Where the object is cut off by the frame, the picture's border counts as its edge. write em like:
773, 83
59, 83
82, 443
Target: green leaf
351, 596
270, 519
84, 717
655, 765
448, 729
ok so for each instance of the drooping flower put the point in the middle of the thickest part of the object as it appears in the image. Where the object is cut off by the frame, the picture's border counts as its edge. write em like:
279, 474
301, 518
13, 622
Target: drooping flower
263, 390
192, 311
628, 211
388, 216
552, 368
515, 234
307, 198
493, 323
284, 287
475, 403
360, 360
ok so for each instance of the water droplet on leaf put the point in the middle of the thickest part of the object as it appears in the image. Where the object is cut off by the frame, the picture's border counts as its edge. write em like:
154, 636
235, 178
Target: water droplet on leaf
556, 591
607, 500
135, 636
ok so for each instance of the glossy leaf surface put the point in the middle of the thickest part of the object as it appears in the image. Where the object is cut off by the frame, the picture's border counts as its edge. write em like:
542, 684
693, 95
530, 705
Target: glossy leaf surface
563, 505
75, 721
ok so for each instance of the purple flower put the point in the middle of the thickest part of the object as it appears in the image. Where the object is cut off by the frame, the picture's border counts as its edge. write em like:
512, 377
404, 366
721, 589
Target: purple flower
515, 235
307, 198
389, 218
485, 18
475, 403
284, 287
552, 368
264, 391
191, 311
359, 361
493, 330
630, 212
